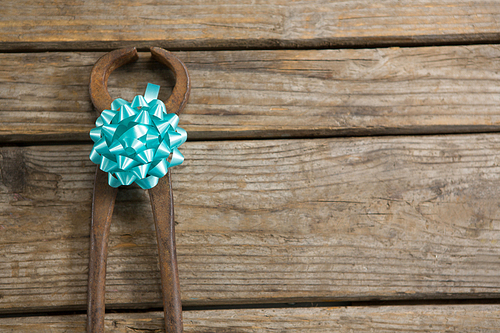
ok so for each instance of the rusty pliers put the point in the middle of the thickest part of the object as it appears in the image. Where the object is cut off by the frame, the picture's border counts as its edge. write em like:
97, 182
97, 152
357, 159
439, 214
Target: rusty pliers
161, 198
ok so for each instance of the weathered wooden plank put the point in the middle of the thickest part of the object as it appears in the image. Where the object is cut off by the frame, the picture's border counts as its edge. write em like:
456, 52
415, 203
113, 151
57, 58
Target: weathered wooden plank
457, 318
264, 221
71, 25
259, 94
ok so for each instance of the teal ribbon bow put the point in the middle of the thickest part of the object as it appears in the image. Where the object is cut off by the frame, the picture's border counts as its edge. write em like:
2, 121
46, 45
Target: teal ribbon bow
137, 142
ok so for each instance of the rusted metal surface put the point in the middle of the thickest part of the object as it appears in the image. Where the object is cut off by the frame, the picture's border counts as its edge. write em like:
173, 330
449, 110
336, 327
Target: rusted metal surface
180, 94
103, 202
161, 198
162, 202
98, 87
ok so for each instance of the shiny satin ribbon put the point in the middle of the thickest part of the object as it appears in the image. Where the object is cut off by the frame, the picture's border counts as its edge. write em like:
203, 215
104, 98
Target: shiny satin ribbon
138, 141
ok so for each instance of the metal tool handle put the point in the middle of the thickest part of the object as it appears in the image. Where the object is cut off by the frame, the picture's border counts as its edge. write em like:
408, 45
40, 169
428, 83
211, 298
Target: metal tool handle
162, 203
103, 202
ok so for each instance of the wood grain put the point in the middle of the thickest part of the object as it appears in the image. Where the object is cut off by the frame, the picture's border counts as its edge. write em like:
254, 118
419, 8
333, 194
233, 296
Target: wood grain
264, 221
268, 94
76, 25
457, 318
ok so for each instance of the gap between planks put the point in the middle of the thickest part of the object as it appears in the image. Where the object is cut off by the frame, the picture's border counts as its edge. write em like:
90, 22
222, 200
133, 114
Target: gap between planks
258, 45
254, 306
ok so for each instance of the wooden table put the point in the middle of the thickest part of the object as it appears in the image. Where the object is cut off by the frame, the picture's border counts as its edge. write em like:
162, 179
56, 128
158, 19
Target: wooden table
342, 172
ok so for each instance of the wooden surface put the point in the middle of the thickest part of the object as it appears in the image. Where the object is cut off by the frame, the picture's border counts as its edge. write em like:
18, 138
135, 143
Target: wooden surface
265, 221
286, 93
311, 203
70, 25
458, 318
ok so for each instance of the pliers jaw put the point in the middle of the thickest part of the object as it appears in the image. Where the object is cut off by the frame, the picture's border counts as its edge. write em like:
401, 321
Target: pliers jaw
161, 197
98, 87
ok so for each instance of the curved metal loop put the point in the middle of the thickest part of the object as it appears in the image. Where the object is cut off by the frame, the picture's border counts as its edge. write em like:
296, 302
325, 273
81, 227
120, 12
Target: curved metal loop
98, 87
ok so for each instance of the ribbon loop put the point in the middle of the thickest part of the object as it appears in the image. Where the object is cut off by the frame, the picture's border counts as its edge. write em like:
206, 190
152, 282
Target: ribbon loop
133, 141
